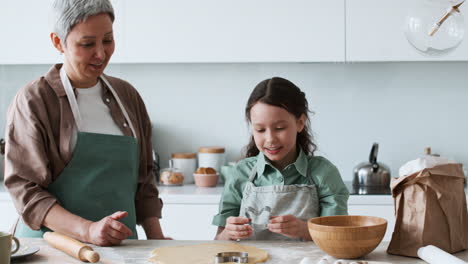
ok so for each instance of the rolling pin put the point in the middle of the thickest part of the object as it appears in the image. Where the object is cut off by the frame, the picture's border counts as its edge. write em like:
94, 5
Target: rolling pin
72, 247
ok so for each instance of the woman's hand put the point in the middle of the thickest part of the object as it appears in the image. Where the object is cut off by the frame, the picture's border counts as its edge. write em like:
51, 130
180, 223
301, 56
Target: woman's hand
236, 228
108, 231
290, 226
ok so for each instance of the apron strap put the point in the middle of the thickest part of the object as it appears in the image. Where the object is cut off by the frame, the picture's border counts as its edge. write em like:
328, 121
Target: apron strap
120, 104
308, 176
71, 97
253, 172
74, 104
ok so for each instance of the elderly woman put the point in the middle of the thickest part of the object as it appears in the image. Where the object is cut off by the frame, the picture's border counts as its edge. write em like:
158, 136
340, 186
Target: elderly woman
78, 148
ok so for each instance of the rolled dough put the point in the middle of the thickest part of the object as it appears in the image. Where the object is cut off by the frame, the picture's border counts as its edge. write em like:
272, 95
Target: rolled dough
204, 253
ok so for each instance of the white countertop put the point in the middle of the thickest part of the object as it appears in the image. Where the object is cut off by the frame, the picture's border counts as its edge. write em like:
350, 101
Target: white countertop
191, 194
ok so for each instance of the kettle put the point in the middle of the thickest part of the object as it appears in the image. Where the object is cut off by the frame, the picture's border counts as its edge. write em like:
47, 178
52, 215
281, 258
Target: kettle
372, 177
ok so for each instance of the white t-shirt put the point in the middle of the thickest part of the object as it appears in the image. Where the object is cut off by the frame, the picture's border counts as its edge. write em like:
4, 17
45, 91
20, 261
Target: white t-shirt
95, 114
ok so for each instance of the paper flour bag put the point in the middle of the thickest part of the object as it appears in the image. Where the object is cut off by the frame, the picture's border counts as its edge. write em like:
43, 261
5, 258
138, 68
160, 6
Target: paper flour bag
430, 209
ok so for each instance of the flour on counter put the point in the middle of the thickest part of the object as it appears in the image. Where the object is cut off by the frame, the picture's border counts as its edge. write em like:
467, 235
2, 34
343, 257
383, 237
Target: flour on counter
331, 260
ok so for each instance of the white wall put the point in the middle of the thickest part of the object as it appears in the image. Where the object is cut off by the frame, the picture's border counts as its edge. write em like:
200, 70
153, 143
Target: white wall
403, 106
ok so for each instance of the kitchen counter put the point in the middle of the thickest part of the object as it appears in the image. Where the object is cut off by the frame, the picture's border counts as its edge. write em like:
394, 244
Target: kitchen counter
191, 194
138, 251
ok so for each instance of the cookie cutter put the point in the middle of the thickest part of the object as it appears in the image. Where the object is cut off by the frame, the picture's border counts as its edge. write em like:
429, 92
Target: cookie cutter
236, 257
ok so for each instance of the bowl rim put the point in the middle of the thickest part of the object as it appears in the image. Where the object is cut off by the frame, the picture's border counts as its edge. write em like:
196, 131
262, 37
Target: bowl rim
311, 223
210, 175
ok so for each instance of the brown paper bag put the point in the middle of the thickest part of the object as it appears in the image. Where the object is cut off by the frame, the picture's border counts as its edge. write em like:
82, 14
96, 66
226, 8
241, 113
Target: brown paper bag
430, 209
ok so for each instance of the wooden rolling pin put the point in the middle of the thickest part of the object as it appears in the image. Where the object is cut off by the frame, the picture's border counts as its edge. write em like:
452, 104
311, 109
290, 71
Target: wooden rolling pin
72, 247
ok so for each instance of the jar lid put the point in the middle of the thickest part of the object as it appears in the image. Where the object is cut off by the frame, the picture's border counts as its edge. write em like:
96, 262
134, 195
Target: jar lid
170, 169
211, 149
184, 155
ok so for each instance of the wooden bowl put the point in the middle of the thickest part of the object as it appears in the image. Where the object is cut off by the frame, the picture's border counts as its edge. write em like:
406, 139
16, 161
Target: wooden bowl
347, 236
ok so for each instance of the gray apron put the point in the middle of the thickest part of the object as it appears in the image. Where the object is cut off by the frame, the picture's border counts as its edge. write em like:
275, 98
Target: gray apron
259, 203
102, 176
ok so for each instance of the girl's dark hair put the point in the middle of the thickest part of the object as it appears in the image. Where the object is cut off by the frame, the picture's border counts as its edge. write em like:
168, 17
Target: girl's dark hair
285, 94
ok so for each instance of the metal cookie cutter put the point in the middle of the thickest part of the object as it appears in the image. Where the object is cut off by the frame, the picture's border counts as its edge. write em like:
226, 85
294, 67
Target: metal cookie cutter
236, 257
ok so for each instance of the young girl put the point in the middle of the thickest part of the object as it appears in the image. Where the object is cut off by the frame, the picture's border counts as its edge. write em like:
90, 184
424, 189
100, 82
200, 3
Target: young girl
280, 184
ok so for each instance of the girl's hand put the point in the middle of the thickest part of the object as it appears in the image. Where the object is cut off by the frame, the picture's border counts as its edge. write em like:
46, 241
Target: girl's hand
237, 228
108, 231
290, 226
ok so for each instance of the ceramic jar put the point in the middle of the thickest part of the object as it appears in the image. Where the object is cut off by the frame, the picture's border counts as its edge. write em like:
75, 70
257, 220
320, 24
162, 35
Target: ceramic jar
212, 157
185, 163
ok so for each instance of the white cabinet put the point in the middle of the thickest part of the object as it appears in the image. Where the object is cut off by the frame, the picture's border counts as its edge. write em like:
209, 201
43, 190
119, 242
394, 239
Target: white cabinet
193, 221
25, 30
148, 31
156, 31
8, 215
233, 31
375, 32
189, 221
384, 211
25, 33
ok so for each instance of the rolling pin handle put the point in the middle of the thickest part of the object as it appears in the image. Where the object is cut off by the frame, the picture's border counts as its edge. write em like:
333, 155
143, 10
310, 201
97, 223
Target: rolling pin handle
90, 255
72, 247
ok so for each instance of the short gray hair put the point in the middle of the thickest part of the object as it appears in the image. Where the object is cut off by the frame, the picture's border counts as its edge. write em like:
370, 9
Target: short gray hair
68, 13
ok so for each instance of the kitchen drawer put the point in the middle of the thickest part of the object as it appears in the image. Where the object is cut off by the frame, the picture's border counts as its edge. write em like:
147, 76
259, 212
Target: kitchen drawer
384, 211
189, 221
9, 215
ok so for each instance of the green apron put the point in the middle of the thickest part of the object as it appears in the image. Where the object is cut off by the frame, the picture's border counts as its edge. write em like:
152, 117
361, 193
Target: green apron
100, 179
